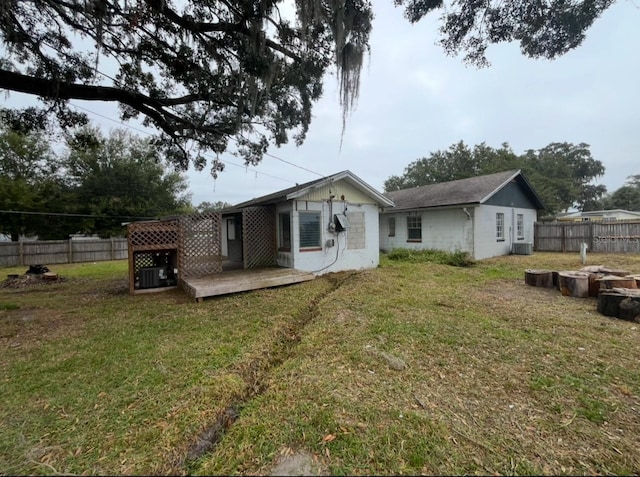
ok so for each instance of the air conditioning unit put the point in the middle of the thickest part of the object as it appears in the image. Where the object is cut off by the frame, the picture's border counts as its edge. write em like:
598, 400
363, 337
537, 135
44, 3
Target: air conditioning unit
522, 248
150, 276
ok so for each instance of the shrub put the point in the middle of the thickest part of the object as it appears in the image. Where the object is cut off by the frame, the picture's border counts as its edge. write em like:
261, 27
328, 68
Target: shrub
455, 259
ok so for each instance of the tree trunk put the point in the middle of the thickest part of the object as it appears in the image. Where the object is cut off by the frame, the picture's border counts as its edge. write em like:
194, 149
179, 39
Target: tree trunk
575, 284
539, 278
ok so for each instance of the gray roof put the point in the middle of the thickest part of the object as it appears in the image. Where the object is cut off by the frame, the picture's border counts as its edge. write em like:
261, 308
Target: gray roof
302, 189
474, 190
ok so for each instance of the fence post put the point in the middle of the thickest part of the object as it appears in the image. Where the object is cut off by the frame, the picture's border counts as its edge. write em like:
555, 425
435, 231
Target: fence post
113, 248
564, 248
21, 251
70, 251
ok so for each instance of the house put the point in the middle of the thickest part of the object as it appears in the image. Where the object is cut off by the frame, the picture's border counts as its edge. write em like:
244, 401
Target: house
485, 216
326, 225
598, 216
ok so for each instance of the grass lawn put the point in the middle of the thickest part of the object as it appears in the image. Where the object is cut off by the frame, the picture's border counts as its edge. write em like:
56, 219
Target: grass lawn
411, 368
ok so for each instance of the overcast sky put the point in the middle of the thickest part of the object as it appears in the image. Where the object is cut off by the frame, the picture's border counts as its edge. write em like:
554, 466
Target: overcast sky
415, 100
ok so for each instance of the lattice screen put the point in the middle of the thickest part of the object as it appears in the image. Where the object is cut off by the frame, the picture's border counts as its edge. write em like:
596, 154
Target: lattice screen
200, 244
157, 235
259, 237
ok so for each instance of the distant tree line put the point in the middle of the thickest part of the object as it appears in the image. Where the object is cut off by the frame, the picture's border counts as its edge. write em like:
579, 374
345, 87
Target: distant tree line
563, 174
92, 184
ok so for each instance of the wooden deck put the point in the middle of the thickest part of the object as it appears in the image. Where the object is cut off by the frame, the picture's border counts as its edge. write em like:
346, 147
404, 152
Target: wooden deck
242, 280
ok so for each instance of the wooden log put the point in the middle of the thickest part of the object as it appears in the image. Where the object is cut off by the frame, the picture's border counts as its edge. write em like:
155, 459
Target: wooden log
575, 284
538, 278
604, 270
613, 281
630, 309
609, 302
636, 277
613, 271
556, 282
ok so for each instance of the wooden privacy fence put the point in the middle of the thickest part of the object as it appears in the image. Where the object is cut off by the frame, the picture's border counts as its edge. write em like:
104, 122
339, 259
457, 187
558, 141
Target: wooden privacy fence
622, 236
46, 252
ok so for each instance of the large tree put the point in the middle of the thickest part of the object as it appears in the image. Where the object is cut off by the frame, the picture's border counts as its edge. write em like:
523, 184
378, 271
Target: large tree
561, 173
215, 75
30, 182
120, 178
210, 75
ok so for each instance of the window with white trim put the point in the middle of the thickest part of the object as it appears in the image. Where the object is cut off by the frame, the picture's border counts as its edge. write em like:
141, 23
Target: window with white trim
309, 228
414, 228
500, 226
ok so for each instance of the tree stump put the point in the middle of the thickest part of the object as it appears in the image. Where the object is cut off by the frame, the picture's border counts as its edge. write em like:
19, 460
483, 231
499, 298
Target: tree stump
609, 302
49, 276
613, 281
594, 284
623, 303
538, 278
575, 284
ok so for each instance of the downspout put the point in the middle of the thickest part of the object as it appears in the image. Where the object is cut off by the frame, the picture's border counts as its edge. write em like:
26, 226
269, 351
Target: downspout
473, 239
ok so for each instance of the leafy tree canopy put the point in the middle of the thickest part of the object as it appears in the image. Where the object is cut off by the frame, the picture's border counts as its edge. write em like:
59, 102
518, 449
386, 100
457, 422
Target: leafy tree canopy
543, 28
216, 76
120, 178
626, 197
210, 75
212, 206
29, 180
92, 186
561, 173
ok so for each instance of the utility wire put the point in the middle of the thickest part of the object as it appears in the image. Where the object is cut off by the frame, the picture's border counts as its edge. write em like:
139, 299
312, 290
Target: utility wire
62, 214
116, 82
225, 161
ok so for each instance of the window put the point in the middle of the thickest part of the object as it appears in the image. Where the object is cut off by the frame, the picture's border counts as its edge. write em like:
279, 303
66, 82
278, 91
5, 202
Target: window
392, 226
414, 228
520, 226
310, 230
500, 226
284, 229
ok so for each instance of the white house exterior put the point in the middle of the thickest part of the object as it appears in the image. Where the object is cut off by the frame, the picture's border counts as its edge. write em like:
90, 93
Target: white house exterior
327, 225
598, 215
484, 216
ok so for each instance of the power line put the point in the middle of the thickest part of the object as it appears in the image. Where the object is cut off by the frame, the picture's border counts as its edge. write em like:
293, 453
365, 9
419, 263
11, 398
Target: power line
225, 161
63, 214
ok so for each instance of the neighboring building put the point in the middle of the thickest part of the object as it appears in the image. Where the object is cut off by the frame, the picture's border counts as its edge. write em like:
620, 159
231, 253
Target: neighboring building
485, 216
598, 216
326, 225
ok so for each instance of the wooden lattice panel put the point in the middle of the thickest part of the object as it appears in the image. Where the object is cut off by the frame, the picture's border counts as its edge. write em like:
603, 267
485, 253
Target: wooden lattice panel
200, 245
259, 237
156, 235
